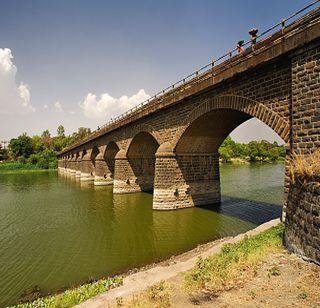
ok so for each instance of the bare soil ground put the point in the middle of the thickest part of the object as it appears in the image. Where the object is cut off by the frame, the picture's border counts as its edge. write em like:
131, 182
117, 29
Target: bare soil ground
283, 280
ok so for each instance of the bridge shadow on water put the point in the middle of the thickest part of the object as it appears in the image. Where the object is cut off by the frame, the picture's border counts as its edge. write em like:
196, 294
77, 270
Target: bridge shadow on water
256, 212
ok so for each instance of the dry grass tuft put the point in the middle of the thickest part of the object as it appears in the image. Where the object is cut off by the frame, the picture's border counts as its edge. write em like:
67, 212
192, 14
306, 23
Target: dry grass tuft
156, 296
305, 165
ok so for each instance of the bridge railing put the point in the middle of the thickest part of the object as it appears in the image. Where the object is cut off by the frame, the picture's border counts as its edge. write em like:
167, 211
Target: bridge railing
209, 70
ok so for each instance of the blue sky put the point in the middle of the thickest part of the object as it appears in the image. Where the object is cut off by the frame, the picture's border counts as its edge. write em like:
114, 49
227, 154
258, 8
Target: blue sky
69, 53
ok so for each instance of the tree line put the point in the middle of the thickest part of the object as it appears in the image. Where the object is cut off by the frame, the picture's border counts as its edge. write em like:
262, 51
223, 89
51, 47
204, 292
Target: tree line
254, 151
39, 151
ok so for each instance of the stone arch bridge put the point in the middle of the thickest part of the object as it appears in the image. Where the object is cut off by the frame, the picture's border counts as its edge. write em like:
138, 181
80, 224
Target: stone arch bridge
170, 145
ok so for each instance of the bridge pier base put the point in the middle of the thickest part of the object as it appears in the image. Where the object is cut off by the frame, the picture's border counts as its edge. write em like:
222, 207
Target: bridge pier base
103, 175
125, 180
186, 180
72, 172
87, 169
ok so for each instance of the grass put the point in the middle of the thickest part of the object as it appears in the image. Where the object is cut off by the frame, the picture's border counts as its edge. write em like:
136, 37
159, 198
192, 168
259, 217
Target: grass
305, 165
14, 165
72, 297
234, 264
156, 296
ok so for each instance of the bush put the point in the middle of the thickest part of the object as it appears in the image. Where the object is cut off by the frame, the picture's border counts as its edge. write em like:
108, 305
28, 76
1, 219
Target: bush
33, 159
22, 160
43, 163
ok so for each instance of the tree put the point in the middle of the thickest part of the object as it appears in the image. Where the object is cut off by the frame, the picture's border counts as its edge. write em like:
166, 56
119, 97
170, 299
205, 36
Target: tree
46, 134
225, 154
38, 144
60, 131
83, 132
226, 150
46, 139
3, 153
21, 146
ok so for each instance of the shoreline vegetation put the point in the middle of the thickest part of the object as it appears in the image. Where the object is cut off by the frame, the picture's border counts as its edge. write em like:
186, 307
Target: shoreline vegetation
40, 152
215, 274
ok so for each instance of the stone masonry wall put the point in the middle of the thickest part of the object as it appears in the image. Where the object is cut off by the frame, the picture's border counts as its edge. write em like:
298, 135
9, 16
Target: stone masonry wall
186, 180
302, 232
306, 100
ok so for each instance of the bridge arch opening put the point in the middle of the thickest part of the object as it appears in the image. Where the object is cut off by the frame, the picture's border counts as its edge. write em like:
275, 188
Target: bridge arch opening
141, 157
195, 157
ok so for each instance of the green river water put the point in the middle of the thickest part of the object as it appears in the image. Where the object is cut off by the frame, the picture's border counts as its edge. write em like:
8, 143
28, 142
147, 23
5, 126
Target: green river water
55, 232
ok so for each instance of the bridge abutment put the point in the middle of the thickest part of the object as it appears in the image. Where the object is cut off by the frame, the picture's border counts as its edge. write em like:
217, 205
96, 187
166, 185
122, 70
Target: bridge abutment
302, 232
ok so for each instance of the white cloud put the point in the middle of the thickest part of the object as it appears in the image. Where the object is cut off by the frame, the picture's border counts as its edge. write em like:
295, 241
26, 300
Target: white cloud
107, 106
12, 96
57, 107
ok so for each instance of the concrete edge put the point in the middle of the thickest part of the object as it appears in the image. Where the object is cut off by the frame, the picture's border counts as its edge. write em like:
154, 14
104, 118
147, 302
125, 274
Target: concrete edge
138, 282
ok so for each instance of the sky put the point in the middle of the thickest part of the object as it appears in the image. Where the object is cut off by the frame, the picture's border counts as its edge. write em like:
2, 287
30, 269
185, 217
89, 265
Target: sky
80, 63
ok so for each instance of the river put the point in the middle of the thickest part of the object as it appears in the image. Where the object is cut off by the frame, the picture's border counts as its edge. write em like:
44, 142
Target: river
55, 232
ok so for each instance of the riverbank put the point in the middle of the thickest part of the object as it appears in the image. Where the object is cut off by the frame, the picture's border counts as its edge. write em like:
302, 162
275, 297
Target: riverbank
246, 160
15, 165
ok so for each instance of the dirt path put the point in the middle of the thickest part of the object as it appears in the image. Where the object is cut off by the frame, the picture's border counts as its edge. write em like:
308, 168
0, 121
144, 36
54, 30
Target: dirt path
283, 280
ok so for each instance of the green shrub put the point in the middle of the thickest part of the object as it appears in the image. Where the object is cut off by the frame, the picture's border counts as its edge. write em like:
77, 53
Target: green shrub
43, 163
33, 159
22, 160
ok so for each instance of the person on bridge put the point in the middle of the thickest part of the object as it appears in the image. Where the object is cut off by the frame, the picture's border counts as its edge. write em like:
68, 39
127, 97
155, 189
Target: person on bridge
240, 47
253, 32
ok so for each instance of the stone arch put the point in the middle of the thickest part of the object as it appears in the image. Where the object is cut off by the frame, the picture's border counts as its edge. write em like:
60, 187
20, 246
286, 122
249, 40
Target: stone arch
109, 155
94, 153
141, 158
143, 128
241, 104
